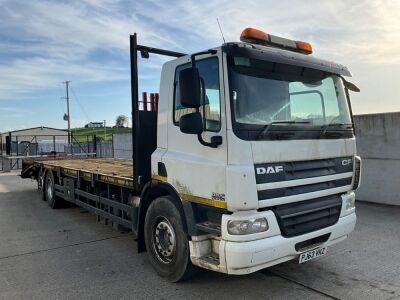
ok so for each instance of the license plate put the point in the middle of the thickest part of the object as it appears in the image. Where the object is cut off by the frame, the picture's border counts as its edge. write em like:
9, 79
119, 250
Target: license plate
309, 255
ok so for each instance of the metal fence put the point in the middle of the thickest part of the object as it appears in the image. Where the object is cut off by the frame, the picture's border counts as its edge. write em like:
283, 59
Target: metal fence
122, 145
16, 148
101, 149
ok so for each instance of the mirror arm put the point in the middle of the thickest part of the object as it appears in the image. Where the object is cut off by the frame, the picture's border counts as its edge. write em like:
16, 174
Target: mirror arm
193, 61
215, 141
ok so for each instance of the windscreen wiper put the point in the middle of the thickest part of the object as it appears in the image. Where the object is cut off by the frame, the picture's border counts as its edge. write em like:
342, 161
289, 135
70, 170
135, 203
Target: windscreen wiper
267, 127
327, 126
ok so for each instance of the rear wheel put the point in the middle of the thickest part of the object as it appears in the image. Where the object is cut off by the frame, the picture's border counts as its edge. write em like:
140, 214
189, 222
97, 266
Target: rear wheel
40, 182
166, 241
50, 191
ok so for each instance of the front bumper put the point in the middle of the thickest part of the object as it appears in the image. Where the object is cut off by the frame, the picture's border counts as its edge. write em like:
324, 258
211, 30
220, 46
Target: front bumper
250, 256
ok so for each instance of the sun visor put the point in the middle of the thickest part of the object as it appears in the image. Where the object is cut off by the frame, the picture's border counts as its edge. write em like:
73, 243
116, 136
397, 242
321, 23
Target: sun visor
284, 56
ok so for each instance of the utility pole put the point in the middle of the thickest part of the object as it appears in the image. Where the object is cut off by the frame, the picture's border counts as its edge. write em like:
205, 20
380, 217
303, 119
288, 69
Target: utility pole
68, 116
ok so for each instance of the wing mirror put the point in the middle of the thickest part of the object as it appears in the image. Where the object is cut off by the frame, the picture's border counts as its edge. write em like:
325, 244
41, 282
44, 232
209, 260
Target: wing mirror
190, 87
350, 86
191, 123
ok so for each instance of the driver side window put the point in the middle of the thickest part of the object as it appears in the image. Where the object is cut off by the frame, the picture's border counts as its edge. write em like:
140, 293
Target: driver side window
211, 108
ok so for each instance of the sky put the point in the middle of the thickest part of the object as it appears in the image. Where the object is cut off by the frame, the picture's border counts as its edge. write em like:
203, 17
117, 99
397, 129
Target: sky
43, 43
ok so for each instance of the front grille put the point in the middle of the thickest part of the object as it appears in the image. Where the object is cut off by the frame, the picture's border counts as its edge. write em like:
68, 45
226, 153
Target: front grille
288, 171
307, 216
301, 189
302, 169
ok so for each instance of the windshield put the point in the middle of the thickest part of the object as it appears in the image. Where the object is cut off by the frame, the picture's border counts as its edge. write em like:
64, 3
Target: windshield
264, 93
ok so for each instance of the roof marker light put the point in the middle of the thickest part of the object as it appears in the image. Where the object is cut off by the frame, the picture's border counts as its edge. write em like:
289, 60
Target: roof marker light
255, 36
304, 46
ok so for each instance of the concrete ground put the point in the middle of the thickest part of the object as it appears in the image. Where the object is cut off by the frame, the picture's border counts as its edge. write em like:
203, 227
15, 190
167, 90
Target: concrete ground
65, 253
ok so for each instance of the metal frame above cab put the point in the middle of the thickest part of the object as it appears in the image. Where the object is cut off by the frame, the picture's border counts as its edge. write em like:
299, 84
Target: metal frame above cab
144, 123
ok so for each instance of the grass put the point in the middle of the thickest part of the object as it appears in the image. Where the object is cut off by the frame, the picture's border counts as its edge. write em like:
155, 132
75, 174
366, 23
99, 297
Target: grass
80, 134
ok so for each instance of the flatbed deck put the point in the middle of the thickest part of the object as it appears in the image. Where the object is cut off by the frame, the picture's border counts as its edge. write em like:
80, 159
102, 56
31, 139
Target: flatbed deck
105, 166
109, 170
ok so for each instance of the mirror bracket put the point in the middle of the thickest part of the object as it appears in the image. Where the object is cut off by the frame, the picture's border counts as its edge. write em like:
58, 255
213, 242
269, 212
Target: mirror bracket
215, 141
193, 56
350, 86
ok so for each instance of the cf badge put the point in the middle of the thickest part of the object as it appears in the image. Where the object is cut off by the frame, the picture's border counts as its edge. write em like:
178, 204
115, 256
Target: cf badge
346, 162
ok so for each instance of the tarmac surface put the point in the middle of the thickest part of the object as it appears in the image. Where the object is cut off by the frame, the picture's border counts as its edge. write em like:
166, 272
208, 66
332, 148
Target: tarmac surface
66, 254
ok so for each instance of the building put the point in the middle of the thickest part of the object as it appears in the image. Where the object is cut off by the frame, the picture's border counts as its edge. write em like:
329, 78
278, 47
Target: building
33, 135
94, 125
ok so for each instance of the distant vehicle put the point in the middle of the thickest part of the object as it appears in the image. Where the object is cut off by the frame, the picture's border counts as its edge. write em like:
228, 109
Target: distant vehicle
247, 161
94, 125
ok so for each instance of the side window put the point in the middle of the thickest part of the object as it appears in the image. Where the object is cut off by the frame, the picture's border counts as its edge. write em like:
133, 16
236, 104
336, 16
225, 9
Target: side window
211, 108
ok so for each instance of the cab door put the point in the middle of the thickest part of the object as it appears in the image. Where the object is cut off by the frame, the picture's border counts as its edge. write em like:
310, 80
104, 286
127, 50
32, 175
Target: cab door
197, 172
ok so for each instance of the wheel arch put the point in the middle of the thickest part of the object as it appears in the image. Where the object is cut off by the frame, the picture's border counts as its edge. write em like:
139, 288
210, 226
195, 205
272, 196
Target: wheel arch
153, 190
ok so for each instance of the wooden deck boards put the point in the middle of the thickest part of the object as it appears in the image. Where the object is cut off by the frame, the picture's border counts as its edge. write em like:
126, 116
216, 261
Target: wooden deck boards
107, 166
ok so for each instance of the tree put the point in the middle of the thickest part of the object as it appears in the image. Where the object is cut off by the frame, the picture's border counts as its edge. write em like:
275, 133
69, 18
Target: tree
121, 121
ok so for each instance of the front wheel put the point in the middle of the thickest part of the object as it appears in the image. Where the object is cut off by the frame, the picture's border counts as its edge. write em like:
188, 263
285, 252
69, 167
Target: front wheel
166, 241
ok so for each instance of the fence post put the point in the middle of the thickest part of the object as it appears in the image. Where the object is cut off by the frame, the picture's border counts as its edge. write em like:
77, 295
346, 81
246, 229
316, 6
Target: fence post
6, 164
12, 166
8, 144
94, 145
112, 145
54, 144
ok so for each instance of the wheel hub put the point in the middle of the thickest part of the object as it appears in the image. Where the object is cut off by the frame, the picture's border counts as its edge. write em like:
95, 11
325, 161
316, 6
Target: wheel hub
164, 240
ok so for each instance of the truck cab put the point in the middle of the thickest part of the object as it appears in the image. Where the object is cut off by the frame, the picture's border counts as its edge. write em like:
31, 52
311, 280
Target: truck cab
256, 139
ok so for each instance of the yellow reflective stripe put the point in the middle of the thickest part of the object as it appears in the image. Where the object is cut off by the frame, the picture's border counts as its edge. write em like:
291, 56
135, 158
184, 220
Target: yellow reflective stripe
192, 198
206, 201
71, 172
50, 167
116, 180
160, 178
86, 175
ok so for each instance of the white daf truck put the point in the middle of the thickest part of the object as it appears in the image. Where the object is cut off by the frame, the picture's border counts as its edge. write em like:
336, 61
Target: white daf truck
250, 160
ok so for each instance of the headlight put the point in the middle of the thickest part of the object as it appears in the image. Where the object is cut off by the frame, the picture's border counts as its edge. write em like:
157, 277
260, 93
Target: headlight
357, 172
243, 227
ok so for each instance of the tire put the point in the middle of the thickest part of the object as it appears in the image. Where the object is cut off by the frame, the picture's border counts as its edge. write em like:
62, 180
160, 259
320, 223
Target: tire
50, 191
167, 242
40, 182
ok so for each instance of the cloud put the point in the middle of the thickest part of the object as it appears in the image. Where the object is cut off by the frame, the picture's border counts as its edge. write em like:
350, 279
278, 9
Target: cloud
45, 42
54, 41
366, 30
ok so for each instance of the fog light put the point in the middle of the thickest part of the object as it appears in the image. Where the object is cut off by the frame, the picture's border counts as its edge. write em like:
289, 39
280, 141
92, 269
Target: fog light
242, 227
